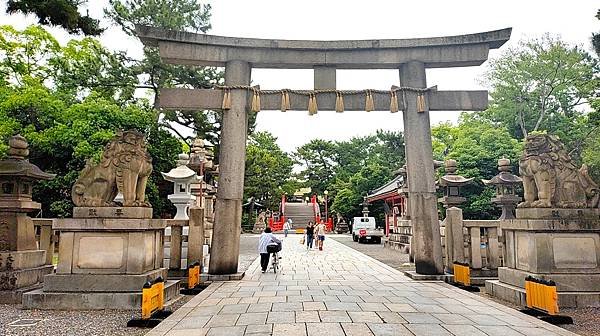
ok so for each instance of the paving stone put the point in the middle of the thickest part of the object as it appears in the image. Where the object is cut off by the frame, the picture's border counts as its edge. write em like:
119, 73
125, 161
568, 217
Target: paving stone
229, 301
313, 306
265, 293
251, 299
400, 307
345, 306
334, 316
349, 298
463, 330
420, 318
391, 317
289, 329
499, 331
307, 316
286, 306
252, 318
321, 329
482, 319
453, 319
224, 320
200, 311
299, 298
356, 329
185, 332
271, 299
389, 329
533, 331
281, 317
259, 307
234, 309
226, 331
359, 317
254, 329
192, 322
380, 299
373, 306
428, 330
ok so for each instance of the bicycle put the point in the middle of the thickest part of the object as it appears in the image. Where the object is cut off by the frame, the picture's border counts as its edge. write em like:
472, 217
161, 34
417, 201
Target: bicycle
275, 263
274, 250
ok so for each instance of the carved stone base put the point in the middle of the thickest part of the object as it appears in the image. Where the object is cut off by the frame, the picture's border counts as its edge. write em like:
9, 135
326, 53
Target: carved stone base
557, 213
39, 299
21, 271
112, 212
100, 282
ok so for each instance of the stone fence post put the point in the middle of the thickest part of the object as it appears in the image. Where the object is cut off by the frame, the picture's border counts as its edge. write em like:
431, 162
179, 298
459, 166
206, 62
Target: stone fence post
455, 250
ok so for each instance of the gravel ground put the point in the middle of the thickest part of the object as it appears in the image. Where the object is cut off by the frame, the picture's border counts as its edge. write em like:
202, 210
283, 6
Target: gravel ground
96, 323
387, 256
586, 321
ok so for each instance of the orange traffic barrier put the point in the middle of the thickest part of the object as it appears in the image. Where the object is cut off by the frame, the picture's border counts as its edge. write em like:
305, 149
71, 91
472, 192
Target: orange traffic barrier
541, 294
462, 273
193, 275
152, 297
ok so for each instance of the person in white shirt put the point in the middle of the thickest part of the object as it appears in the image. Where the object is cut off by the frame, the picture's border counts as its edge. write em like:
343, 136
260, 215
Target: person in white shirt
266, 238
287, 226
320, 232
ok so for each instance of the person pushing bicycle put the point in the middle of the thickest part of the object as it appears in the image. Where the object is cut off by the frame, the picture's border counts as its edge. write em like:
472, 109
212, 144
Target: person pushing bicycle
267, 239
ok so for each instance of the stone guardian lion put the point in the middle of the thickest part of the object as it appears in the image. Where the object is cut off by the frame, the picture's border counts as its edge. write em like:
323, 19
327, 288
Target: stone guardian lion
551, 180
125, 167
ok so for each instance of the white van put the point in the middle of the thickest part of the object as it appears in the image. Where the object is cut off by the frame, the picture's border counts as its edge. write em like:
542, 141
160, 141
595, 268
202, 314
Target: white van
364, 229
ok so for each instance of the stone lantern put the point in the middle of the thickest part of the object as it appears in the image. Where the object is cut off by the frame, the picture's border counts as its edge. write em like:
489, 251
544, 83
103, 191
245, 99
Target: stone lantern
182, 177
505, 183
21, 261
452, 182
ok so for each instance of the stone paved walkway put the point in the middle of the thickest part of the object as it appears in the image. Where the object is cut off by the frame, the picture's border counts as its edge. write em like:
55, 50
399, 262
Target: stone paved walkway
340, 291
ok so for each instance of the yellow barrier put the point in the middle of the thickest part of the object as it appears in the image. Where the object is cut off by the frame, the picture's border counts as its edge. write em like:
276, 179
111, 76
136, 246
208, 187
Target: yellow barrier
193, 275
462, 274
300, 231
152, 298
541, 294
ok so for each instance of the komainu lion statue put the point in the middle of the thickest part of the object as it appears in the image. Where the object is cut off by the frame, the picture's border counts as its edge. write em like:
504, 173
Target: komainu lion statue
551, 180
125, 167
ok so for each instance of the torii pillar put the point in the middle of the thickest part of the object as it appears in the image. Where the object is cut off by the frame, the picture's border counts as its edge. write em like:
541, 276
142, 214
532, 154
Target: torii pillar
225, 248
421, 180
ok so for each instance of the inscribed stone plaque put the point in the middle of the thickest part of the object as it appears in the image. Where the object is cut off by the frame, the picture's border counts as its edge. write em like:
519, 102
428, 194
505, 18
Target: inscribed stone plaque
524, 248
100, 252
149, 248
575, 252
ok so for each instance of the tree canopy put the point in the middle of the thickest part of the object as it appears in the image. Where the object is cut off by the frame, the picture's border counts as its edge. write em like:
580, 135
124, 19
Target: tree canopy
63, 13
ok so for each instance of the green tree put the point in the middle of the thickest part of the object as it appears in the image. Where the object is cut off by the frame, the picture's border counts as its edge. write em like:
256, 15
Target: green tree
543, 84
173, 15
64, 13
596, 37
68, 121
476, 144
318, 160
268, 170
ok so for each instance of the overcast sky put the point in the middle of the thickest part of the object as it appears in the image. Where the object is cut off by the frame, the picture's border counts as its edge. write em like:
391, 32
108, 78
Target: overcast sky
574, 21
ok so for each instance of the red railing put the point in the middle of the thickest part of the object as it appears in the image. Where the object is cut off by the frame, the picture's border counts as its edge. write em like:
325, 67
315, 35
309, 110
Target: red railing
278, 225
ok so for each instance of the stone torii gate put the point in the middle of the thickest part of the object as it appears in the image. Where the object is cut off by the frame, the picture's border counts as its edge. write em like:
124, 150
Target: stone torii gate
240, 55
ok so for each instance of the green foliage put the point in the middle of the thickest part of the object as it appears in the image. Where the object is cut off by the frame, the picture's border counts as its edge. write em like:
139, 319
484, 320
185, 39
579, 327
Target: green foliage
543, 84
596, 37
476, 144
173, 15
62, 13
351, 169
60, 99
268, 169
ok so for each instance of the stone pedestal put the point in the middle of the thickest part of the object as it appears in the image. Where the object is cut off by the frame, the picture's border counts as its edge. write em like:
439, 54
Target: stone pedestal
21, 271
562, 245
106, 255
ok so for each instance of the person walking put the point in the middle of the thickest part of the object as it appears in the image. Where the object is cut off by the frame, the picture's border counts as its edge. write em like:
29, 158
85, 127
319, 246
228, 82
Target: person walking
310, 235
287, 226
320, 232
266, 238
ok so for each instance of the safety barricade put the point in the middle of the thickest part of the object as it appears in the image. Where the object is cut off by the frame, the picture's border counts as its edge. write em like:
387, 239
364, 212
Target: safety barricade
153, 301
462, 276
542, 300
193, 284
